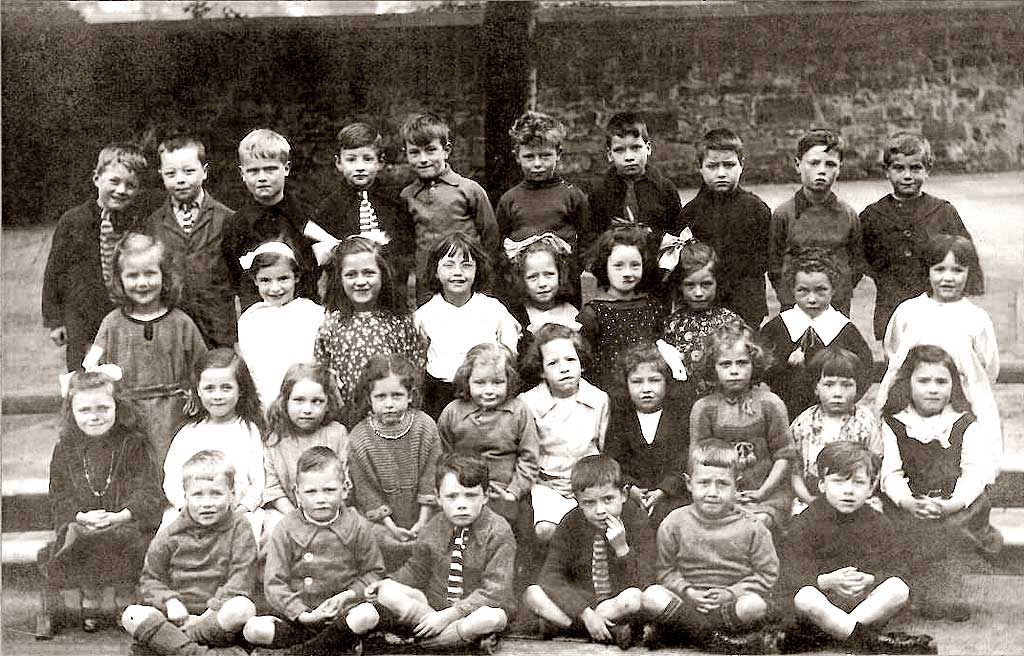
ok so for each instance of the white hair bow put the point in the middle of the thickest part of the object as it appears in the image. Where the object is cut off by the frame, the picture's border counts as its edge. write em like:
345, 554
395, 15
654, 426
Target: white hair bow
268, 247
514, 248
673, 358
110, 370
668, 252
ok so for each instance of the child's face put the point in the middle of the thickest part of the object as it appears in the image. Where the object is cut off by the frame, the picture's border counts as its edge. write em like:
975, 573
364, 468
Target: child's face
698, 289
561, 367
647, 387
94, 411
948, 279
457, 273
116, 187
208, 501
538, 162
358, 165
847, 493
460, 504
540, 275
142, 279
931, 387
601, 502
307, 405
812, 291
488, 385
713, 490
836, 394
183, 174
906, 174
320, 493
361, 280
734, 368
218, 392
629, 155
264, 178
818, 169
428, 161
625, 269
389, 400
721, 170
276, 284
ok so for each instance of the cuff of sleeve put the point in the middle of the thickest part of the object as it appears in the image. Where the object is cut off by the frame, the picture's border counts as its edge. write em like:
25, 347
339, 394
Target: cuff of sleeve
378, 514
426, 499
294, 609
463, 608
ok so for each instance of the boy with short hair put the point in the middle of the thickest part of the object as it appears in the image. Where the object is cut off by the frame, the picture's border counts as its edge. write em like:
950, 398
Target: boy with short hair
191, 224
899, 226
632, 191
734, 222
843, 561
598, 561
320, 559
77, 291
360, 206
815, 216
200, 570
716, 562
441, 201
456, 588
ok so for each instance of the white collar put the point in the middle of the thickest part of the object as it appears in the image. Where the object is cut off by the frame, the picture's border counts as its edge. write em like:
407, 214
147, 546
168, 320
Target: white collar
827, 325
936, 428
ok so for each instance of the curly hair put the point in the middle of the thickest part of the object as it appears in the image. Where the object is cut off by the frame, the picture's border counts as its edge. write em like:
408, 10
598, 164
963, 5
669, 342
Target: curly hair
248, 408
537, 129
488, 354
457, 244
135, 244
279, 424
628, 236
533, 359
390, 299
809, 259
561, 260
125, 418
907, 144
899, 394
382, 366
639, 354
725, 337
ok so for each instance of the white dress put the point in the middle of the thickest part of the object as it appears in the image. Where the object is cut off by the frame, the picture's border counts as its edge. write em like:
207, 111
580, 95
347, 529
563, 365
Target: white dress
453, 330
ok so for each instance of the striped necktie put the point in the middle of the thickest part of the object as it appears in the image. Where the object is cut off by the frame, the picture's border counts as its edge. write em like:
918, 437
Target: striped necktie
455, 569
367, 215
108, 243
599, 568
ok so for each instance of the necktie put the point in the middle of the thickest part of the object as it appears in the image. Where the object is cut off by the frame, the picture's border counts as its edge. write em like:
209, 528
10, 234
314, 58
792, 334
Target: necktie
367, 216
186, 216
632, 207
599, 568
455, 569
108, 243
809, 341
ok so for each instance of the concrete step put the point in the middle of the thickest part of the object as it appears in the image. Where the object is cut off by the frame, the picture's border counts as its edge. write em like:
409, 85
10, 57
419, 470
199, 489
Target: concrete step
21, 548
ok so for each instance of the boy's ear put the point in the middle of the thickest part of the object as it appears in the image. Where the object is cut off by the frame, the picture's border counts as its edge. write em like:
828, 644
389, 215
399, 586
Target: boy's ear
689, 483
608, 154
287, 168
821, 485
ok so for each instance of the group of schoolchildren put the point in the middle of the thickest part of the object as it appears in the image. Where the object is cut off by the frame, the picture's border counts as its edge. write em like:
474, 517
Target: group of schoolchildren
673, 472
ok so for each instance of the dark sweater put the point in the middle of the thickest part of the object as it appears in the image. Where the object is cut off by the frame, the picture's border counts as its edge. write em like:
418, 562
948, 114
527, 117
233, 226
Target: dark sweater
533, 208
659, 465
656, 195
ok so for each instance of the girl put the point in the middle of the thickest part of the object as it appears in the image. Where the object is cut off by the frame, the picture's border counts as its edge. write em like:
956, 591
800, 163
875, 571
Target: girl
799, 333
155, 344
542, 275
945, 318
622, 313
648, 437
305, 414
458, 318
937, 461
367, 317
488, 419
228, 420
836, 417
571, 416
392, 455
753, 419
280, 330
104, 497
697, 315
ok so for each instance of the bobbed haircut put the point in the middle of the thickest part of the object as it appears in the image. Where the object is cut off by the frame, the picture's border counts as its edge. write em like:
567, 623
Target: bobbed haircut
720, 139
907, 143
561, 260
128, 155
537, 129
421, 129
317, 459
126, 421
595, 471
726, 336
841, 363
208, 465
639, 354
809, 259
832, 142
845, 457
714, 453
134, 244
359, 135
964, 253
279, 424
533, 360
487, 354
899, 394
264, 260
624, 236
262, 143
390, 299
180, 142
248, 408
458, 244
469, 470
383, 366
625, 124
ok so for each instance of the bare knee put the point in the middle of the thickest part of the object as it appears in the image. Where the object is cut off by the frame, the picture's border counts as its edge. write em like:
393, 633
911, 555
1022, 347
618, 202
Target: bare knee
751, 607
260, 630
895, 589
545, 531
534, 597
656, 599
235, 612
362, 618
807, 598
135, 615
631, 600
490, 620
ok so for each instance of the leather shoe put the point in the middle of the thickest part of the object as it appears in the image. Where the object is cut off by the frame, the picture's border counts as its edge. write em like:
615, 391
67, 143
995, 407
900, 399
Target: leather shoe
757, 642
899, 643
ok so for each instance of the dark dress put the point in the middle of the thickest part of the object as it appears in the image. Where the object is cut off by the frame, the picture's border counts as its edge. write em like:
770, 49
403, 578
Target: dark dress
611, 327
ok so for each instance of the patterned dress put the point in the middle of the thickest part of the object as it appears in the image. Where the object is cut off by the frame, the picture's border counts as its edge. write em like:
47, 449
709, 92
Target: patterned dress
611, 326
687, 331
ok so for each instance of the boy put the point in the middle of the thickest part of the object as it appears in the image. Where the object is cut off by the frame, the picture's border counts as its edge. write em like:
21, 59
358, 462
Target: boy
77, 281
320, 559
200, 571
191, 224
441, 201
814, 216
734, 222
632, 191
598, 561
844, 562
456, 588
716, 562
899, 226
361, 207
270, 215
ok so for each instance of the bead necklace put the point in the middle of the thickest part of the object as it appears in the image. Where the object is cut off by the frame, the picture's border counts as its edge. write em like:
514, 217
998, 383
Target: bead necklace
88, 478
388, 436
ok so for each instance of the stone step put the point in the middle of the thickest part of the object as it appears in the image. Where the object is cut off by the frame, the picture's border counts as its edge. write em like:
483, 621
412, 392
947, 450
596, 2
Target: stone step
22, 547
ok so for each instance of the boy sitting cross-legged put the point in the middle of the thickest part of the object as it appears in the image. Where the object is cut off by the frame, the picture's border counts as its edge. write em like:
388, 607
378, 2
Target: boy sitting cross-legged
716, 563
456, 588
320, 559
200, 570
843, 561
599, 559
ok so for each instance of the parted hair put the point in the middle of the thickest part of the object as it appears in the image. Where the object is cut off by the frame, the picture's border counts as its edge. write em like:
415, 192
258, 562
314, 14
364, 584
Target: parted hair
624, 236
207, 465
561, 260
693, 257
487, 354
248, 407
964, 253
844, 457
318, 458
128, 155
279, 424
469, 470
383, 366
358, 135
389, 299
899, 394
135, 243
183, 141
